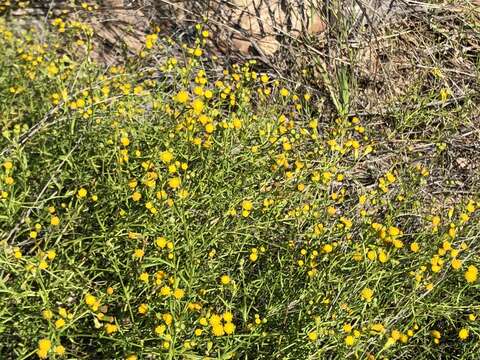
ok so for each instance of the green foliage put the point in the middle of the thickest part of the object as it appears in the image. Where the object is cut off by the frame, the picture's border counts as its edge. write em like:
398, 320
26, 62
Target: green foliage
167, 213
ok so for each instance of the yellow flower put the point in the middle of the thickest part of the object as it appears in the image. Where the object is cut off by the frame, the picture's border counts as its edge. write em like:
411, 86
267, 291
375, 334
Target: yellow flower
90, 299
367, 294
138, 253
215, 319
228, 316
55, 221
137, 90
51, 254
143, 277
178, 293
62, 312
382, 256
225, 279
456, 264
111, 328
168, 318
350, 340
82, 193
396, 335
471, 274
8, 165
247, 205
136, 196
218, 330
313, 335
183, 194
390, 177
174, 182
463, 334
160, 329
378, 328
59, 350
197, 106
182, 97
347, 328
47, 314
284, 92
52, 69
9, 180
327, 248
237, 123
209, 128
150, 40
452, 232
229, 328
470, 207
166, 156
59, 323
414, 247
372, 255
165, 291
161, 242
44, 344
142, 309
393, 231
125, 141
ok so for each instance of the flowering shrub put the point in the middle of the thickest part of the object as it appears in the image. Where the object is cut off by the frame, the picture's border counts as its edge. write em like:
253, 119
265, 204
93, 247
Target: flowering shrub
175, 211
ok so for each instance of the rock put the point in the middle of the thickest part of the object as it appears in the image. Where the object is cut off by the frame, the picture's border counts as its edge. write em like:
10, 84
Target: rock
259, 22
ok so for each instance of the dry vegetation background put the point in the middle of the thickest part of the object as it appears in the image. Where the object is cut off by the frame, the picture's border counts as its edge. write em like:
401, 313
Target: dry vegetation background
367, 57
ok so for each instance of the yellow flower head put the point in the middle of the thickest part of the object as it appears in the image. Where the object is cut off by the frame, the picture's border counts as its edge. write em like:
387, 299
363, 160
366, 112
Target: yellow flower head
471, 274
111, 328
82, 193
247, 205
59, 350
44, 344
174, 182
138, 253
136, 196
166, 156
367, 294
218, 330
225, 279
463, 334
229, 328
182, 97
142, 309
